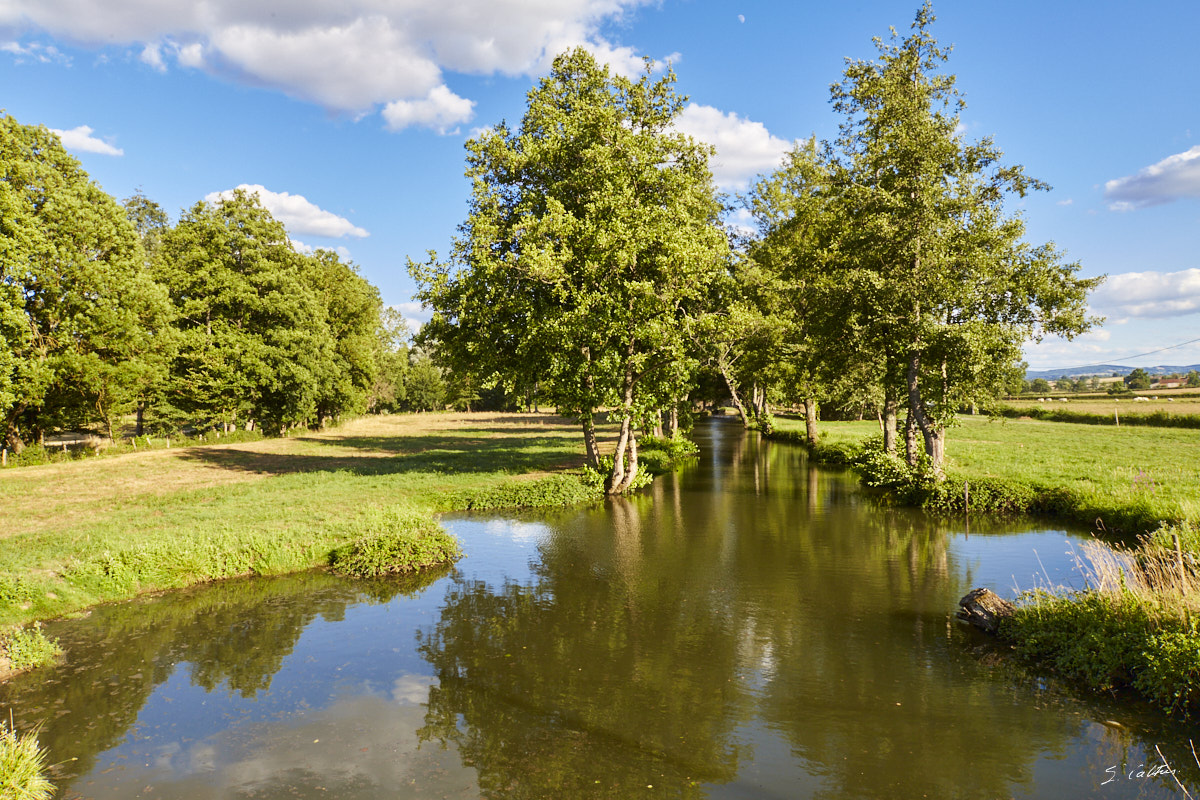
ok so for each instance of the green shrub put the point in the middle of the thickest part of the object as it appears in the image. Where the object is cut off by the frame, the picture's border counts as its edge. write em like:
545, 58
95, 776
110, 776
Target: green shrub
398, 539
659, 455
597, 479
22, 763
1110, 641
26, 648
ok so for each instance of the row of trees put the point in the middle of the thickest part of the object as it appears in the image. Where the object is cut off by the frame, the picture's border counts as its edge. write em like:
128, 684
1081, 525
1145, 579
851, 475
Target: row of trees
884, 270
216, 321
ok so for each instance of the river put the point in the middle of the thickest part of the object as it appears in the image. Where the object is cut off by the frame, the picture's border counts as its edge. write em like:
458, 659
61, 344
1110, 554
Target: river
750, 627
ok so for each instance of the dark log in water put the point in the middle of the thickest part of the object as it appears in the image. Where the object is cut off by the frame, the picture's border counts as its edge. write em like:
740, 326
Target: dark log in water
984, 609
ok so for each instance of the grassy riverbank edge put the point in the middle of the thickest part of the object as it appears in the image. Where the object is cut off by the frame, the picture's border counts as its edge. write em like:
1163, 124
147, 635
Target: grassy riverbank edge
1135, 627
399, 536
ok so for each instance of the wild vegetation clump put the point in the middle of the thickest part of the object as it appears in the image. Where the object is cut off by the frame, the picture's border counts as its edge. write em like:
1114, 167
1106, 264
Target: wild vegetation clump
659, 455
394, 540
22, 764
26, 648
554, 490
1134, 627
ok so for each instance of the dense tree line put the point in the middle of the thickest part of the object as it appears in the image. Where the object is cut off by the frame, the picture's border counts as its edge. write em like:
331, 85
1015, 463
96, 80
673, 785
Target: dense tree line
107, 310
884, 272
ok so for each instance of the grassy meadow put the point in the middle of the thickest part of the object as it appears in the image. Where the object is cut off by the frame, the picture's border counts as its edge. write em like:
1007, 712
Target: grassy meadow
85, 531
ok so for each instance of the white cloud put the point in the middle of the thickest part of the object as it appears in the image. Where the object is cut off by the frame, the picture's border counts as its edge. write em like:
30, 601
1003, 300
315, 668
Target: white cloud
191, 55
1174, 177
34, 51
744, 148
1068, 202
1148, 295
296, 213
354, 56
439, 110
81, 140
152, 55
414, 314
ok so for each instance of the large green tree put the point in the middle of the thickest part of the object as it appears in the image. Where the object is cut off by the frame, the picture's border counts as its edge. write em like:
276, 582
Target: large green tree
84, 324
254, 334
583, 266
951, 288
352, 312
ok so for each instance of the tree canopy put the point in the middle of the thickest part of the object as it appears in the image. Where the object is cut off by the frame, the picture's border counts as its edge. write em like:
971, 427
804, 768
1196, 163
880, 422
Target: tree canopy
584, 263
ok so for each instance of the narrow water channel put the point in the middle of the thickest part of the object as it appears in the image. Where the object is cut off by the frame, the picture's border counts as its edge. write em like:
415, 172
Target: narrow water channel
751, 627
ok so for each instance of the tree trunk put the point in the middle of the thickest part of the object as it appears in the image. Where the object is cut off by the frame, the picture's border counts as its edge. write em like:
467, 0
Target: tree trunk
737, 401
810, 420
890, 405
934, 434
12, 436
673, 421
621, 478
658, 426
589, 439
141, 418
632, 471
911, 453
617, 477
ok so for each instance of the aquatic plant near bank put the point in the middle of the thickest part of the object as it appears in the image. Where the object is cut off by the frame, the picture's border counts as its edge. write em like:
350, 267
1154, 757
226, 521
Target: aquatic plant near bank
392, 540
26, 648
22, 766
1135, 627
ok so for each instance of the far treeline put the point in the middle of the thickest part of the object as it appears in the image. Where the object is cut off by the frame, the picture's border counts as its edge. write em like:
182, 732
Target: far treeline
109, 312
883, 273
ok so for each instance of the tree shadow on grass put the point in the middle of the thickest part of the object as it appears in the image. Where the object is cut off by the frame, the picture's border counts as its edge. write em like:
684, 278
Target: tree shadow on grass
387, 455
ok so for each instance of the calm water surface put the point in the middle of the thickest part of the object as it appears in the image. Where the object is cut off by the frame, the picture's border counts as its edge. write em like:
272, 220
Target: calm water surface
748, 628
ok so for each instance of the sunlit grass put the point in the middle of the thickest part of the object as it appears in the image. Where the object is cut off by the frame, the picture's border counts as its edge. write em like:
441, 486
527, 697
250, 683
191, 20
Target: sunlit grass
1152, 471
86, 531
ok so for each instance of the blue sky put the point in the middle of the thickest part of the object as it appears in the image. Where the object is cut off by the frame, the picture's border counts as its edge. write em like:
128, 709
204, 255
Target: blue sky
351, 115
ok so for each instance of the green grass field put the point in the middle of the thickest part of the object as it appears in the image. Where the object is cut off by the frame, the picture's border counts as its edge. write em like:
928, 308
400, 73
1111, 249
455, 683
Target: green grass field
86, 531
1154, 470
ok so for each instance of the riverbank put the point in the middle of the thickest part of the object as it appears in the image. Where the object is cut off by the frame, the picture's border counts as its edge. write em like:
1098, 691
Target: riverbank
1136, 626
85, 532
1124, 481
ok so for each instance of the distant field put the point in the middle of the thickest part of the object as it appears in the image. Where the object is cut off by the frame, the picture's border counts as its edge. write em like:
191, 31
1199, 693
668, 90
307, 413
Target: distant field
1154, 468
1169, 401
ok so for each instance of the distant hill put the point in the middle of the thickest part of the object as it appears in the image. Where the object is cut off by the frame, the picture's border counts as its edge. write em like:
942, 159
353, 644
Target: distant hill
1104, 370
